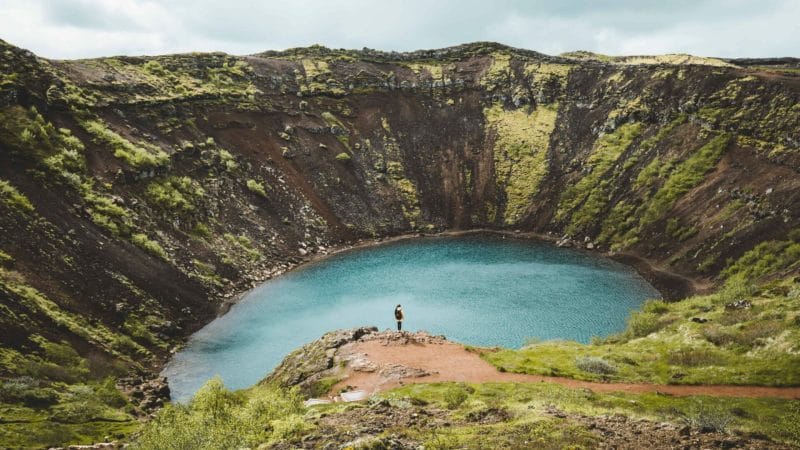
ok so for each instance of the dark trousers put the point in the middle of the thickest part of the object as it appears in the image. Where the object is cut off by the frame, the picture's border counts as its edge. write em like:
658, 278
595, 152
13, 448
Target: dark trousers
399, 325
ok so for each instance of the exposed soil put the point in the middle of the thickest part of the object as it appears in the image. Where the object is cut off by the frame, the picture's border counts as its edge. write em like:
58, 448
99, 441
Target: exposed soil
382, 361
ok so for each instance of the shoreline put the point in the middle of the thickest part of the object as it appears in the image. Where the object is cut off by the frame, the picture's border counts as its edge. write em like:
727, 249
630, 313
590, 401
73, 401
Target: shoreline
670, 285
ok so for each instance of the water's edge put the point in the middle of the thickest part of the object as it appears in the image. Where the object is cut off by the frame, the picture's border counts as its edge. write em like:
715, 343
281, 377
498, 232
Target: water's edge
670, 285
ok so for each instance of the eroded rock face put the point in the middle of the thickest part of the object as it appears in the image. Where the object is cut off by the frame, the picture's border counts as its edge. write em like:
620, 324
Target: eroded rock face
316, 366
145, 193
309, 366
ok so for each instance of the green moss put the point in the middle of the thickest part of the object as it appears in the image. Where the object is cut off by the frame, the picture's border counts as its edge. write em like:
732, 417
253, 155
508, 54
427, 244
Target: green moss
766, 258
522, 139
5, 259
139, 156
154, 248
14, 198
256, 188
684, 177
244, 245
177, 195
584, 201
94, 332
343, 157
106, 213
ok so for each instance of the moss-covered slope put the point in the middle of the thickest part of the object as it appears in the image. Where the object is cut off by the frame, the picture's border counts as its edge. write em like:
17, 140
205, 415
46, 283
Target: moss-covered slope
138, 194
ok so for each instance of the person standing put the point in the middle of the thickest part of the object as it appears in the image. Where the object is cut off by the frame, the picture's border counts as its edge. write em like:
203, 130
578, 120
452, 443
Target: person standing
398, 315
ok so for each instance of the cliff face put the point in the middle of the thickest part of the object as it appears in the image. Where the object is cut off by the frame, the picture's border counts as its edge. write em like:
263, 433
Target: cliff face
137, 193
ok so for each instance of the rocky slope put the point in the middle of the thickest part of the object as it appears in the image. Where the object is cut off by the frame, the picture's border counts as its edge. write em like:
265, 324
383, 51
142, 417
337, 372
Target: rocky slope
137, 194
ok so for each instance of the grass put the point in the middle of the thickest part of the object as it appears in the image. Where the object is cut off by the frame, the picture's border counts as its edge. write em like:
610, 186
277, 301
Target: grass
14, 198
662, 344
684, 177
527, 403
766, 258
217, 418
139, 156
584, 201
176, 195
520, 153
154, 248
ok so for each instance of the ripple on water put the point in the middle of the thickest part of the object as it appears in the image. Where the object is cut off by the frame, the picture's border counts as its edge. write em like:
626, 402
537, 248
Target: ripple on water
480, 290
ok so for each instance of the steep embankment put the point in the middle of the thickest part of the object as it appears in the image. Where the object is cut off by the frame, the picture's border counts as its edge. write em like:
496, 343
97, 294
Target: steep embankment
136, 194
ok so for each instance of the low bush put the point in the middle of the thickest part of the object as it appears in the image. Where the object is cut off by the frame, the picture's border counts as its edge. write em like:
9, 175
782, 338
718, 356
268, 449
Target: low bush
707, 418
596, 365
454, 397
218, 418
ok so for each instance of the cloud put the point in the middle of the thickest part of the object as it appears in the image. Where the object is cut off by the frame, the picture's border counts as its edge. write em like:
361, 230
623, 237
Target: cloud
86, 28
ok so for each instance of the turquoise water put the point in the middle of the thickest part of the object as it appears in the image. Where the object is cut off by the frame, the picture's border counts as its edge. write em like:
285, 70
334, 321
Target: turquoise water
478, 289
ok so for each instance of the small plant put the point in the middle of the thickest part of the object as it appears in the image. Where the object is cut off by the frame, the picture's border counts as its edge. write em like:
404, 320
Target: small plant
596, 365
454, 397
153, 247
256, 188
343, 157
707, 418
12, 197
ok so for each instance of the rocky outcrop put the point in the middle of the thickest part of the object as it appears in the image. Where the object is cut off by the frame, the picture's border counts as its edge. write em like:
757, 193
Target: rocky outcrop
317, 366
312, 364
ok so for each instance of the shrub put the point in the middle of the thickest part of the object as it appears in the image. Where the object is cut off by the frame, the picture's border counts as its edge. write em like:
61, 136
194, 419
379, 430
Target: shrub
343, 157
217, 418
454, 397
596, 365
643, 323
707, 418
256, 188
26, 390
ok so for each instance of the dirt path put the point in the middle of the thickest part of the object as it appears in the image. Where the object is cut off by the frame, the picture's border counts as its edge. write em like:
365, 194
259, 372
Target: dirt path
381, 364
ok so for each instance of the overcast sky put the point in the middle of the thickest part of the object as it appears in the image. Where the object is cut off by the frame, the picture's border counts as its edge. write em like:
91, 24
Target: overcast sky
87, 28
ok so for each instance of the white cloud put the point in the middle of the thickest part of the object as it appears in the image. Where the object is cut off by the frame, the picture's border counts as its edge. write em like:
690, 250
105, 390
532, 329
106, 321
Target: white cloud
85, 28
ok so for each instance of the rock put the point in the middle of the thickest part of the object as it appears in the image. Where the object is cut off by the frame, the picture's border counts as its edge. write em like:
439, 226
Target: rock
699, 319
739, 304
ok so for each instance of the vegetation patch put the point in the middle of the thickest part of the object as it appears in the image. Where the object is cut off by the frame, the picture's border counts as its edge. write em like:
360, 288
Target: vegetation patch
14, 198
584, 201
685, 176
139, 156
520, 153
177, 195
217, 418
699, 340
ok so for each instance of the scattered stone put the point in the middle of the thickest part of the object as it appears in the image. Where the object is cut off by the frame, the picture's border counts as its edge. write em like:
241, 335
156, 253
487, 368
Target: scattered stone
739, 304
